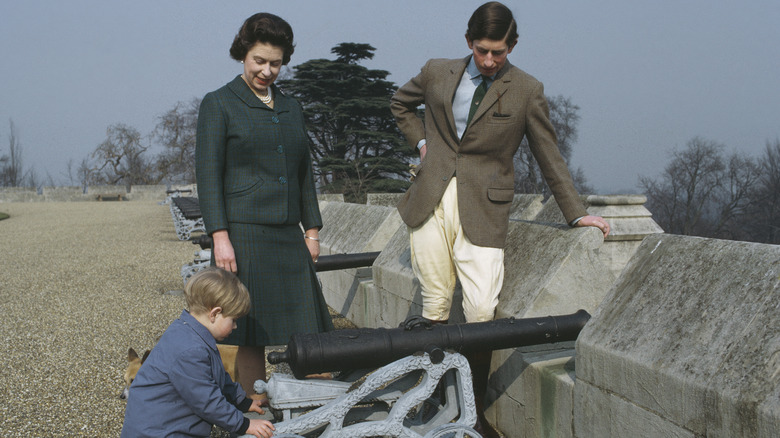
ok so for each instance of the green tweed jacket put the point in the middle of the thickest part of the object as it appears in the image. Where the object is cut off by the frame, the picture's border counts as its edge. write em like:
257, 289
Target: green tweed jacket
514, 107
253, 163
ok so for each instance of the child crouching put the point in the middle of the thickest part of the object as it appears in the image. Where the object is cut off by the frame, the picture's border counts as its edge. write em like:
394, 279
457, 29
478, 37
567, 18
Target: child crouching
182, 389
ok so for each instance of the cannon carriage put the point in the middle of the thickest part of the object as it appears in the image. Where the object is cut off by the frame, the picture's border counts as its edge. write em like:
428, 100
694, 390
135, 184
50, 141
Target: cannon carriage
411, 381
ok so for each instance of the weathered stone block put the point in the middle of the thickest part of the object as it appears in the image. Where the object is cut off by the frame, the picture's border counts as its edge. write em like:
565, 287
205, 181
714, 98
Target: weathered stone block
525, 207
537, 386
330, 197
383, 199
627, 216
354, 228
551, 270
397, 289
691, 333
605, 415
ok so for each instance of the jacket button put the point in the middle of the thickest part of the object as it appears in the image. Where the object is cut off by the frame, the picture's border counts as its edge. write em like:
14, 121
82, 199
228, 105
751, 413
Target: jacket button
280, 149
275, 119
282, 180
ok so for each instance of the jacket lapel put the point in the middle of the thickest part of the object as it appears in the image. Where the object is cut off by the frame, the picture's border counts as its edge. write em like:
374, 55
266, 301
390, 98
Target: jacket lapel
497, 89
243, 92
451, 87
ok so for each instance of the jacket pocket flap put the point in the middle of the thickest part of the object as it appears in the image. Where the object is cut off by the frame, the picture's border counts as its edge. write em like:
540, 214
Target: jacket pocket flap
501, 195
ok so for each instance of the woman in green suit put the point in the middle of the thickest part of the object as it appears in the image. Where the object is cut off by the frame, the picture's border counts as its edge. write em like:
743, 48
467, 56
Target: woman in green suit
256, 193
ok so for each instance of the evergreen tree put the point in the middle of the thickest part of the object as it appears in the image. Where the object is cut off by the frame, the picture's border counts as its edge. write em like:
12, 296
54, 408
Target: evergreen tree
356, 145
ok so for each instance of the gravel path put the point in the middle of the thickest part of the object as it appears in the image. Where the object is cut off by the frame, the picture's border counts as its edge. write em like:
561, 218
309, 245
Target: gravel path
80, 283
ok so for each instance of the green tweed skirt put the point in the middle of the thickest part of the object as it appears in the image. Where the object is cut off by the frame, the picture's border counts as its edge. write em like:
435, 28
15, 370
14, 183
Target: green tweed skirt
275, 265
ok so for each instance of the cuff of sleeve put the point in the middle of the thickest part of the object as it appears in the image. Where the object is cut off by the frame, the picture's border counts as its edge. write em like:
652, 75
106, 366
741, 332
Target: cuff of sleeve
245, 405
420, 144
244, 427
574, 222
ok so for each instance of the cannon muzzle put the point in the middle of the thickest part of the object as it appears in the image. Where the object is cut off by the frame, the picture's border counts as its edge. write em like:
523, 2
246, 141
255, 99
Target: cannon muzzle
352, 349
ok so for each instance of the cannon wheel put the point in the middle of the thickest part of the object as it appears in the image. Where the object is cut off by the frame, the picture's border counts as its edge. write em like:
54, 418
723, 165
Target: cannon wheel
453, 431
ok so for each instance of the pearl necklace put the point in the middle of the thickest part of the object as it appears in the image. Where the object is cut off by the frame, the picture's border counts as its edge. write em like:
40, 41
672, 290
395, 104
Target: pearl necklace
267, 98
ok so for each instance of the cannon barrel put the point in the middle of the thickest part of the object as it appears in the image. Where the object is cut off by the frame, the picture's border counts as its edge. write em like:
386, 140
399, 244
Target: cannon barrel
351, 349
204, 241
324, 263
335, 262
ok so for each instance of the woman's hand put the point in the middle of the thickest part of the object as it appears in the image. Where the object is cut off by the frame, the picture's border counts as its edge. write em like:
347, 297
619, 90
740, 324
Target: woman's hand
312, 239
222, 251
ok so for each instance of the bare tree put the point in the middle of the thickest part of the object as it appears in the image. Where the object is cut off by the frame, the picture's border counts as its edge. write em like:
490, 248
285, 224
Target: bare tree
703, 193
70, 173
732, 200
121, 158
564, 116
11, 169
763, 216
86, 174
176, 132
3, 163
679, 200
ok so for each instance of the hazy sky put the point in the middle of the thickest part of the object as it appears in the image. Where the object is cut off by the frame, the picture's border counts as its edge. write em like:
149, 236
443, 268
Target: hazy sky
648, 76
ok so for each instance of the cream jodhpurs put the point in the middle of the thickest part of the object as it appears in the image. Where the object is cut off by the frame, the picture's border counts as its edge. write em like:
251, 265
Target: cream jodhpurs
441, 251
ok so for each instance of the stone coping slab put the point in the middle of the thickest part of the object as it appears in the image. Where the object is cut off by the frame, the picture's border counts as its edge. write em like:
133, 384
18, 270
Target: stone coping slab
691, 333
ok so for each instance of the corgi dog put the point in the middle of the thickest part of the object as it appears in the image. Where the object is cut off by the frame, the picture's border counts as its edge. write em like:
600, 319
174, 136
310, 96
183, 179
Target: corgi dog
133, 365
134, 362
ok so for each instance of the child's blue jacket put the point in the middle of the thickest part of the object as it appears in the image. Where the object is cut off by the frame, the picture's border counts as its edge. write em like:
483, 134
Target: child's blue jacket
182, 388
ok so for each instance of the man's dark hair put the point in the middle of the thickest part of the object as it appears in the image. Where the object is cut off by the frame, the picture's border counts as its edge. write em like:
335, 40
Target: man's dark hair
493, 21
263, 28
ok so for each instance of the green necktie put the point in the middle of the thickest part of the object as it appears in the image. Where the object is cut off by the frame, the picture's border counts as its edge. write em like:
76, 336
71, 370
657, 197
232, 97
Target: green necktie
479, 93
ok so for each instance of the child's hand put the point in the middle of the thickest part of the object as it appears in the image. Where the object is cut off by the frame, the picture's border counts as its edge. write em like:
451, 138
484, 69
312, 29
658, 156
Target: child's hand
257, 406
260, 428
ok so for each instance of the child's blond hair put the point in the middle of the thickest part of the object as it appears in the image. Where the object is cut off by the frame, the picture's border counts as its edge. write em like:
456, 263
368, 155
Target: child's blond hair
216, 287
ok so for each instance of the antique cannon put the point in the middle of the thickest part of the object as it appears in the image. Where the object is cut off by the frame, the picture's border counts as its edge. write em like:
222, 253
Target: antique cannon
370, 348
423, 388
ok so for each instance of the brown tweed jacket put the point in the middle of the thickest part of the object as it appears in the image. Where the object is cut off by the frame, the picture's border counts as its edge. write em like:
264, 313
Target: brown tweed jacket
514, 107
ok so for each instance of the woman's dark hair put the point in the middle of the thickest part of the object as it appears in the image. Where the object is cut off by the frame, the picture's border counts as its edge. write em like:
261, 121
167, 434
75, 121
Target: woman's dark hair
493, 21
263, 28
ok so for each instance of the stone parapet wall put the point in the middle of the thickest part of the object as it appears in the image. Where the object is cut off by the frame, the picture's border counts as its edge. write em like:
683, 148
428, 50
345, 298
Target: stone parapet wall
91, 193
18, 194
157, 192
686, 344
684, 339
65, 194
